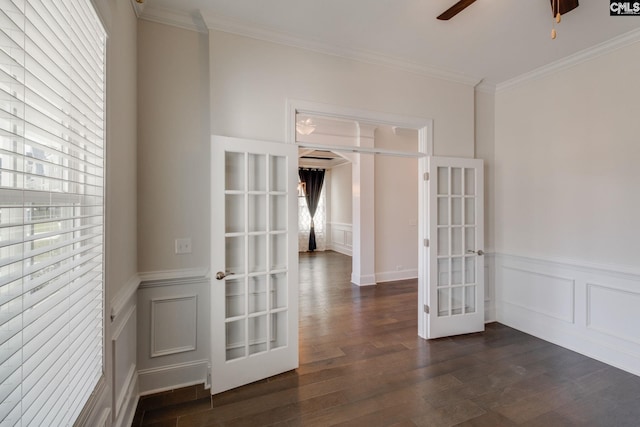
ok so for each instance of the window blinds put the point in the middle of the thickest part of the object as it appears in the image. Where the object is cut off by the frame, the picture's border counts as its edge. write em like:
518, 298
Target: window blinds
52, 68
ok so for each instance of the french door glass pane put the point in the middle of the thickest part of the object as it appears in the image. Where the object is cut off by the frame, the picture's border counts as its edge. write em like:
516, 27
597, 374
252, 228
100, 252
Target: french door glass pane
279, 331
235, 297
234, 171
278, 213
470, 211
257, 294
456, 300
235, 339
443, 180
456, 241
257, 334
235, 254
256, 212
278, 251
234, 212
257, 253
469, 239
278, 290
470, 299
443, 241
443, 211
278, 177
443, 302
456, 181
257, 172
443, 272
469, 182
470, 269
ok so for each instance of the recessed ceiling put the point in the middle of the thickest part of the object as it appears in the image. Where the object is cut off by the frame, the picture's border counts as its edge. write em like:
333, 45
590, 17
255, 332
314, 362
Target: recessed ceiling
491, 40
321, 159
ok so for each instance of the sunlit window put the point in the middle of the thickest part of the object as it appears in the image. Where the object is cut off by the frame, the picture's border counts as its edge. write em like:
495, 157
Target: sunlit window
52, 80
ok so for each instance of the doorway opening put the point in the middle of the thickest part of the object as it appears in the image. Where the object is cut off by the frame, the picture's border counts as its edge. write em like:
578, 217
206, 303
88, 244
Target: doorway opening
380, 155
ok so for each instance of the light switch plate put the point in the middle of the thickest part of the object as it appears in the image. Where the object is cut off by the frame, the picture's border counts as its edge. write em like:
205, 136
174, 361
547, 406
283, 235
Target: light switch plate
183, 246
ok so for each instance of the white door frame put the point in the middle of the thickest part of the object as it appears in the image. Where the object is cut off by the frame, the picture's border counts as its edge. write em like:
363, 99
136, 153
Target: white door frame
425, 147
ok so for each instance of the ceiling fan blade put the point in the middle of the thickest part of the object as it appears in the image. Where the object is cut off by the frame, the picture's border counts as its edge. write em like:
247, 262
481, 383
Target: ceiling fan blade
564, 6
456, 9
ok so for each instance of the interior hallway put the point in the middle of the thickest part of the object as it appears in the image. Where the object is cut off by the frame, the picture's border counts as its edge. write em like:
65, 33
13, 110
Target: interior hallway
362, 364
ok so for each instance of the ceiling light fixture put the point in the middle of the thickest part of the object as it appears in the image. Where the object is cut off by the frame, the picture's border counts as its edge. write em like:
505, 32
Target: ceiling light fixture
305, 127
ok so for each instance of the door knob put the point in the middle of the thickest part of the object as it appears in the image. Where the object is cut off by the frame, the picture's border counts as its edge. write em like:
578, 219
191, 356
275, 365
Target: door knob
480, 252
220, 275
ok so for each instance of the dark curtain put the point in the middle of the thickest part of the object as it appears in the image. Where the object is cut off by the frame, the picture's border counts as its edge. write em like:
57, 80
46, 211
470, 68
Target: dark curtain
313, 179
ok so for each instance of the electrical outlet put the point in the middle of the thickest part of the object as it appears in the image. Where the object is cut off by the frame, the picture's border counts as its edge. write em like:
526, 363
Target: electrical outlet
183, 246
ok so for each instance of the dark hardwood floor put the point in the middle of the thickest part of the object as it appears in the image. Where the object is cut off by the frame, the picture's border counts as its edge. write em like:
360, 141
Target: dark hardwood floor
362, 364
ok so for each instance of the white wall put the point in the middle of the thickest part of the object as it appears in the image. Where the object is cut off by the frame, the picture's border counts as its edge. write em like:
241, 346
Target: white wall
173, 187
340, 216
252, 79
173, 146
485, 149
567, 163
340, 191
396, 207
566, 207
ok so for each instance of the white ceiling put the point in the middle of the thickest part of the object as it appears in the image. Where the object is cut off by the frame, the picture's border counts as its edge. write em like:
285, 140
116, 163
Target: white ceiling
492, 40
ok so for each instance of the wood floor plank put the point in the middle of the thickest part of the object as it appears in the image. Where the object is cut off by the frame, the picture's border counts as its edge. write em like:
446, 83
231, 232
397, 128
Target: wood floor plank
362, 364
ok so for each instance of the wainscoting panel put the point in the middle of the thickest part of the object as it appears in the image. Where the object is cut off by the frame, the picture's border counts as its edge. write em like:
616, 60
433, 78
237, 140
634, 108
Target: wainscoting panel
589, 309
541, 293
173, 325
614, 311
340, 237
173, 329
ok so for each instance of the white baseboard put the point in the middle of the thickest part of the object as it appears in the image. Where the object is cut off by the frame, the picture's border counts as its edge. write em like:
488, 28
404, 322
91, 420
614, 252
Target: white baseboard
392, 276
363, 280
170, 377
587, 309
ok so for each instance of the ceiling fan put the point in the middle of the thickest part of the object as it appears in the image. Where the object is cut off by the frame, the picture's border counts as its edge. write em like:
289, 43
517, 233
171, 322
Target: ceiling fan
557, 6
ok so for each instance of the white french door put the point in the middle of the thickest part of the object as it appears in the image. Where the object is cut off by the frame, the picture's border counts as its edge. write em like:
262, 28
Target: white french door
455, 296
254, 293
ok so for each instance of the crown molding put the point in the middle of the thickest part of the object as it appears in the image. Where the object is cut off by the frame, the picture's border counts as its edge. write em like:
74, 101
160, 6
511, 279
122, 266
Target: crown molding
570, 61
137, 7
486, 87
229, 25
186, 21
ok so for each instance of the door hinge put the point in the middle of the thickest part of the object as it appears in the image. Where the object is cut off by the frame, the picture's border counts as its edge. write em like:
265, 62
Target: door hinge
426, 243
426, 308
426, 176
